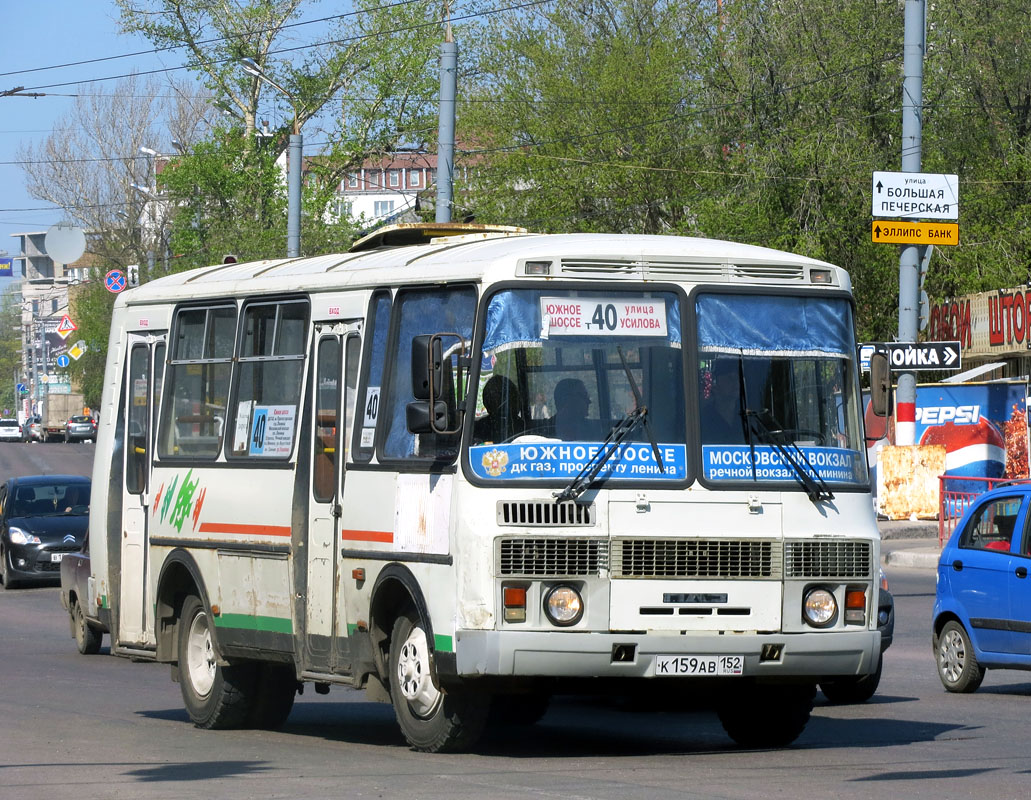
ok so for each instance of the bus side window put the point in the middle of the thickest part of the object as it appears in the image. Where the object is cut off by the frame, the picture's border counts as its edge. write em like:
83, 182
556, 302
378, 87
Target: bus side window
368, 400
422, 311
199, 368
263, 423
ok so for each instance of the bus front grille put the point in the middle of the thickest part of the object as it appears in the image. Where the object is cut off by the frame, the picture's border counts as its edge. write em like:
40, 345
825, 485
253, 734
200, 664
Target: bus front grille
546, 557
827, 559
544, 514
696, 558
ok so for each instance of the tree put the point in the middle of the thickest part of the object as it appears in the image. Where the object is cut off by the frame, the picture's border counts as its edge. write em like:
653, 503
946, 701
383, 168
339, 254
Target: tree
89, 163
362, 89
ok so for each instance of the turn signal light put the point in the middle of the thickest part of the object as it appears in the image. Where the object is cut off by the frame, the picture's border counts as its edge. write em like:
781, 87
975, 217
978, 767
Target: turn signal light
855, 607
515, 603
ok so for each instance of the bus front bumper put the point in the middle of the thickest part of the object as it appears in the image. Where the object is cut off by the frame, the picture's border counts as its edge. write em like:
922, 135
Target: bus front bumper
618, 655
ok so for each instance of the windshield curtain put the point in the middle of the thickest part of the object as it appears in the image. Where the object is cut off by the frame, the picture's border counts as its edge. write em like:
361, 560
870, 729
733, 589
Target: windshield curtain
552, 384
778, 372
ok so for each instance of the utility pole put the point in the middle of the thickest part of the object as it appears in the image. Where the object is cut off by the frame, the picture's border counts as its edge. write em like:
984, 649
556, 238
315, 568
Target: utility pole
909, 259
446, 128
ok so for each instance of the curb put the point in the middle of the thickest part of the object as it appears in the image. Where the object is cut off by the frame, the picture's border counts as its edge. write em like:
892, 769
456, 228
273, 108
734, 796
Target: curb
923, 557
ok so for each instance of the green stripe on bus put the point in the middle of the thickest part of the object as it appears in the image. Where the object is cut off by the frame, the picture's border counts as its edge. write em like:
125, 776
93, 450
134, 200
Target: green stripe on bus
248, 622
444, 644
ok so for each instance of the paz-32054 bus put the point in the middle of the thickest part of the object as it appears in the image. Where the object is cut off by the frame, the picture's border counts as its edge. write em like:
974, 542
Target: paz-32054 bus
467, 472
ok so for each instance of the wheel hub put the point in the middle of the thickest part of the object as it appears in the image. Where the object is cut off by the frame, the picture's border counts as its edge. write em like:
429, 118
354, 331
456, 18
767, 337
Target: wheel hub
951, 656
200, 656
413, 674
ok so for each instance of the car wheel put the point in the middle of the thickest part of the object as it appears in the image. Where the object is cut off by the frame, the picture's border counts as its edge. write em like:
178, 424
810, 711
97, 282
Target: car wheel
767, 716
87, 638
957, 664
215, 696
5, 571
432, 720
854, 689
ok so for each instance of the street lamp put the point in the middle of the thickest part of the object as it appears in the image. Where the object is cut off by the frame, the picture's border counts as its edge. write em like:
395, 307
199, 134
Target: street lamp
293, 176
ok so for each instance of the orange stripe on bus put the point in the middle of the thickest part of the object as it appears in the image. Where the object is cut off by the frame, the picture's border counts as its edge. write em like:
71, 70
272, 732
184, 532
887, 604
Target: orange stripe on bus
367, 536
254, 530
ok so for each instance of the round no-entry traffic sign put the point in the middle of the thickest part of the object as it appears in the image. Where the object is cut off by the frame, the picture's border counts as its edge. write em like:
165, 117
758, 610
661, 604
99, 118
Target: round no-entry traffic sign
114, 281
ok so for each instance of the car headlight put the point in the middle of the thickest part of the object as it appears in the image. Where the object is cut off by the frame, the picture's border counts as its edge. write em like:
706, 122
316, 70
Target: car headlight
819, 608
18, 536
563, 605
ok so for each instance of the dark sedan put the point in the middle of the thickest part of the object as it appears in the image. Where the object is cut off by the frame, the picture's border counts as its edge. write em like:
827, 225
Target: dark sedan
42, 517
80, 428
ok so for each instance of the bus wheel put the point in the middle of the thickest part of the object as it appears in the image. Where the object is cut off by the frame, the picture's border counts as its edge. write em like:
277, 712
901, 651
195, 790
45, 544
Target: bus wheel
215, 696
854, 688
274, 696
518, 709
87, 638
432, 720
767, 716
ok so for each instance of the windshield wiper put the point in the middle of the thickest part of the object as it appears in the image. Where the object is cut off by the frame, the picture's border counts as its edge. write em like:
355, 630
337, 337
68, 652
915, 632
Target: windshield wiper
802, 469
585, 477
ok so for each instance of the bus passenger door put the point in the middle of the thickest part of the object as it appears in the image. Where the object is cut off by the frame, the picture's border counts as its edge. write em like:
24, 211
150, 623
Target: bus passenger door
336, 370
143, 376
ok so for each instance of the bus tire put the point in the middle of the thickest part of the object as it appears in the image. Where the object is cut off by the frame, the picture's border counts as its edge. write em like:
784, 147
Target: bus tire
275, 690
87, 638
767, 716
854, 688
215, 696
518, 709
432, 720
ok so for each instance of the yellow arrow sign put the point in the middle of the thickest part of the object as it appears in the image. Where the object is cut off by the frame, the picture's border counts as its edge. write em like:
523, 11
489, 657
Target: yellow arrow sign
915, 232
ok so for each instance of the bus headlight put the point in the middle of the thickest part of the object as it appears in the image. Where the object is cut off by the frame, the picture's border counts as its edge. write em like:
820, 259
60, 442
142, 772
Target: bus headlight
819, 608
563, 605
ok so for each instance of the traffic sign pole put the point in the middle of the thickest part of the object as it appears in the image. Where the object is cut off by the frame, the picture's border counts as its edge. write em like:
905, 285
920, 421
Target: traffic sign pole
909, 259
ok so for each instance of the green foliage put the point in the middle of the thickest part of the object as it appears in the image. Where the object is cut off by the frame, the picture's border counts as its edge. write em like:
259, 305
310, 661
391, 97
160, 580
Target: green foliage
90, 306
10, 348
757, 122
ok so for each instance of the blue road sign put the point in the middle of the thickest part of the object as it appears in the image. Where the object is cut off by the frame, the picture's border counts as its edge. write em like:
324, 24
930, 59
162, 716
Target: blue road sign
22, 388
63, 361
114, 281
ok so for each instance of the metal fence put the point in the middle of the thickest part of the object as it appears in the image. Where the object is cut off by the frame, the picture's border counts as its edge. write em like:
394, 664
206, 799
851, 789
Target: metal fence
954, 501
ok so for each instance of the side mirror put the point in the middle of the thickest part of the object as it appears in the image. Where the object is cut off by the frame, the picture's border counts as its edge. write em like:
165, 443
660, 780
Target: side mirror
427, 366
880, 384
419, 419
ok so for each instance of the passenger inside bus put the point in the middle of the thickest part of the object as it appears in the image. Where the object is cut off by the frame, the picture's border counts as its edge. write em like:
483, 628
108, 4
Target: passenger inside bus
722, 422
572, 402
504, 418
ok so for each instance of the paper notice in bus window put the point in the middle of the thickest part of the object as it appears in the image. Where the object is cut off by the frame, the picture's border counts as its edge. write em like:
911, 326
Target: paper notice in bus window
368, 437
272, 431
139, 392
371, 407
603, 316
243, 425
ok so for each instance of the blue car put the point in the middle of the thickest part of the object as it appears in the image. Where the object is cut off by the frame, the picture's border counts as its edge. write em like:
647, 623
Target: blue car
982, 608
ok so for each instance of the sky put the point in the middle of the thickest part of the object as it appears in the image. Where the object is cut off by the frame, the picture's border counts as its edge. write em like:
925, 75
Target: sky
40, 34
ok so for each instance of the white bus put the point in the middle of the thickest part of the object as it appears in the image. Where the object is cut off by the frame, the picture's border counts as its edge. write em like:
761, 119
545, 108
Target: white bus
467, 471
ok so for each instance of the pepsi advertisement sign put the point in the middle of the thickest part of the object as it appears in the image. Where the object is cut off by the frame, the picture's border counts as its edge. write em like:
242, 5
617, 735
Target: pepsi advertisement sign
982, 426
564, 460
740, 462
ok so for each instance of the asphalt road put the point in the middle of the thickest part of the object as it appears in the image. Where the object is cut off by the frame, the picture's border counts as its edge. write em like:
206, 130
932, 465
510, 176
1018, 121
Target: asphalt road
101, 727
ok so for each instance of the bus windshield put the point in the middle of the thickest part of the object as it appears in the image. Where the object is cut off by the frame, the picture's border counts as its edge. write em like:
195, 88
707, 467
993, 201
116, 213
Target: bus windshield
776, 385
557, 372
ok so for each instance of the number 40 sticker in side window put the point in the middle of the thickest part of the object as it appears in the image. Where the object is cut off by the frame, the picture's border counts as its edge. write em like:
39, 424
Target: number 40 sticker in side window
369, 416
272, 431
601, 316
